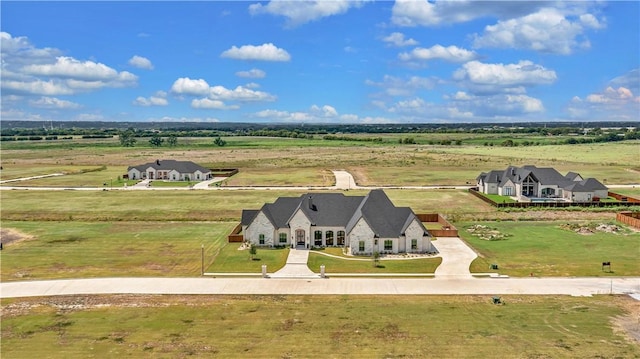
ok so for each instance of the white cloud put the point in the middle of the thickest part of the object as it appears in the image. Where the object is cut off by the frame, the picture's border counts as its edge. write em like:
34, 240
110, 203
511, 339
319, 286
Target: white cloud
29, 70
397, 39
612, 104
159, 99
252, 74
37, 87
435, 13
324, 111
240, 93
300, 12
264, 52
187, 86
215, 96
18, 50
548, 30
53, 103
68, 67
141, 62
630, 80
207, 103
439, 52
497, 76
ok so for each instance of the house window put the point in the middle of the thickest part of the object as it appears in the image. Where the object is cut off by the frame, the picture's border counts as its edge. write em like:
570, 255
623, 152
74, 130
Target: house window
375, 242
414, 244
528, 187
361, 246
329, 238
198, 176
174, 176
341, 238
508, 191
388, 245
317, 238
261, 238
283, 238
548, 192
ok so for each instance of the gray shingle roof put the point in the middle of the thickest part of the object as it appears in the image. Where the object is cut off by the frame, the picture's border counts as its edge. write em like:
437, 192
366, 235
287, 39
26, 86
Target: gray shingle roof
338, 210
544, 175
169, 165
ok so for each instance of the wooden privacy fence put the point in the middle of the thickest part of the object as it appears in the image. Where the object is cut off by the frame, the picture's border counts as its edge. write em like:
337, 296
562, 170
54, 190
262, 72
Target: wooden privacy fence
235, 235
623, 198
447, 229
629, 218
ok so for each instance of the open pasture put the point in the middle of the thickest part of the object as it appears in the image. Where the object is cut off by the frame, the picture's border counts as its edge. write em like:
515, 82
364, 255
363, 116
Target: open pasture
549, 249
106, 249
318, 327
283, 161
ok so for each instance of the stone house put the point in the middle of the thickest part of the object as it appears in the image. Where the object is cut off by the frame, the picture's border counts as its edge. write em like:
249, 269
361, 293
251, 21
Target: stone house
362, 224
169, 170
529, 183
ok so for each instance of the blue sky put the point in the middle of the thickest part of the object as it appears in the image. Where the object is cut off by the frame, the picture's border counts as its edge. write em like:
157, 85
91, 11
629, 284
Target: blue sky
321, 61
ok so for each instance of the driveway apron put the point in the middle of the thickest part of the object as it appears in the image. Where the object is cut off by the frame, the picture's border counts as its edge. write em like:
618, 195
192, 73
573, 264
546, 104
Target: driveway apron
456, 257
296, 266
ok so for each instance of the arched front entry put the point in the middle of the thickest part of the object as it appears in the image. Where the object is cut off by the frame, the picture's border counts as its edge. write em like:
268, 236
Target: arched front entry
300, 237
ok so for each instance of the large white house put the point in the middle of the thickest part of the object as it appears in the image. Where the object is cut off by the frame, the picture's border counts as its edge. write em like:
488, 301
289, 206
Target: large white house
170, 170
530, 182
364, 224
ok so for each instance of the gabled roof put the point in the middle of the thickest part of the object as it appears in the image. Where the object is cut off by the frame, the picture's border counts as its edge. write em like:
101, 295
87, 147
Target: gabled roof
544, 175
573, 176
338, 210
170, 165
588, 185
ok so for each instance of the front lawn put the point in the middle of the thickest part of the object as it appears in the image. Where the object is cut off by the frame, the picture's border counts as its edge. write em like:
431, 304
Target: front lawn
337, 265
232, 260
554, 249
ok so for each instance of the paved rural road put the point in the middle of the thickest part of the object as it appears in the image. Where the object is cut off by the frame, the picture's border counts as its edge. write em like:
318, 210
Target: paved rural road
344, 181
371, 286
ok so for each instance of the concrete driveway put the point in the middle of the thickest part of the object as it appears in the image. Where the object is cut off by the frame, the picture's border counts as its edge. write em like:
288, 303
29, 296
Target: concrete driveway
456, 257
296, 266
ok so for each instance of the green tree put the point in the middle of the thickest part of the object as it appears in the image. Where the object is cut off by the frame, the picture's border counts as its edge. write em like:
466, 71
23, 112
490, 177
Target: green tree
219, 141
127, 138
252, 251
156, 141
376, 259
172, 141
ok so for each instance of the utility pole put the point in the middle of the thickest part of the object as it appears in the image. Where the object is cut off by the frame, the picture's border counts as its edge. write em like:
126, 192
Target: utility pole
202, 260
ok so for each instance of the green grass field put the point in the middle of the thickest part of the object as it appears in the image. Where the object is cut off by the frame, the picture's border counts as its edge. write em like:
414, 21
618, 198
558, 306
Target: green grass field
316, 327
231, 260
105, 249
545, 249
